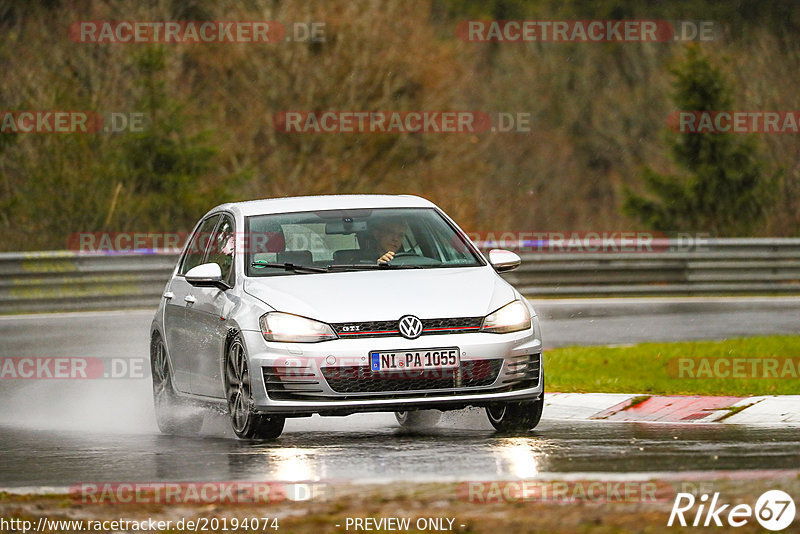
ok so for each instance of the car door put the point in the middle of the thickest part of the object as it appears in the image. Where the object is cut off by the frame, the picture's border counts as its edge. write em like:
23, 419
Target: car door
178, 328
209, 312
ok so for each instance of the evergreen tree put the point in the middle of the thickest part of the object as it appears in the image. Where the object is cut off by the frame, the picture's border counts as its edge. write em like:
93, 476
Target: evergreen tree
724, 191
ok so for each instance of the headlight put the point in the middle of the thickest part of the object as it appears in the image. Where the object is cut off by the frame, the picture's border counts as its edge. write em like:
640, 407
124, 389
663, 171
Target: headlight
512, 317
277, 326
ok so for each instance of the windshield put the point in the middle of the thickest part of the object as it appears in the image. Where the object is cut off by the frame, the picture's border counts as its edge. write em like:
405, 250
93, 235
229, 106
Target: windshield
341, 240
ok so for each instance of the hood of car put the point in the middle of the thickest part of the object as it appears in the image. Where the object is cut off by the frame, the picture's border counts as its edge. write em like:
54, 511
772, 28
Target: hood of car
385, 295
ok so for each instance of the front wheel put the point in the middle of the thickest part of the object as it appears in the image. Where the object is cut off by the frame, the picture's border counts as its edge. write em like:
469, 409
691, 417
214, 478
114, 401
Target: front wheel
418, 419
246, 422
516, 416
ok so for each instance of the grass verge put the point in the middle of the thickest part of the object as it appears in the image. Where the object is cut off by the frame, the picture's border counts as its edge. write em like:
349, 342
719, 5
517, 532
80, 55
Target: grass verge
768, 365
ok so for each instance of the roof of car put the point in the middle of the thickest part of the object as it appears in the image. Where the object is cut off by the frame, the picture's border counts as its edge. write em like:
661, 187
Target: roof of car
324, 202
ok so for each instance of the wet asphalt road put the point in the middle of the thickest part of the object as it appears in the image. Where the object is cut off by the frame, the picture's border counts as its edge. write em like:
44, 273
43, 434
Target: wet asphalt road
371, 448
57, 433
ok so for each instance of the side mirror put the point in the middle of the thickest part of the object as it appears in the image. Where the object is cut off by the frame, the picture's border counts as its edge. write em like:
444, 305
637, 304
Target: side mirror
206, 275
503, 260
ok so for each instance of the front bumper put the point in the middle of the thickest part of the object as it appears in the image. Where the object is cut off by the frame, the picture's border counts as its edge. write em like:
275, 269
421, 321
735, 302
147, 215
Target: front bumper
333, 377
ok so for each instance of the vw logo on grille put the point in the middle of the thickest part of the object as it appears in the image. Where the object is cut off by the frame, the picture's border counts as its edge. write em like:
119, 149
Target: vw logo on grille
410, 326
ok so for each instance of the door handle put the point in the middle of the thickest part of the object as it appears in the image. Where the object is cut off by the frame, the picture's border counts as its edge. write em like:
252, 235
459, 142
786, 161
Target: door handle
168, 295
190, 299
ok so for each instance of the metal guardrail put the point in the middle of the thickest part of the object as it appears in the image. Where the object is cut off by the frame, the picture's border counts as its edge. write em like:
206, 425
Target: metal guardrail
717, 267
56, 281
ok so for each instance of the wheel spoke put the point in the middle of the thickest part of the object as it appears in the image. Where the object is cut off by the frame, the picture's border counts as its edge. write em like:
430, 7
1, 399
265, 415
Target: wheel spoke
231, 374
240, 414
242, 364
242, 405
236, 401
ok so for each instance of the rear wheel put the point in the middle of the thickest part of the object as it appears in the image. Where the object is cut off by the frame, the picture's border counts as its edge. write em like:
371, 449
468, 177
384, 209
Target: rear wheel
246, 422
418, 419
173, 414
516, 416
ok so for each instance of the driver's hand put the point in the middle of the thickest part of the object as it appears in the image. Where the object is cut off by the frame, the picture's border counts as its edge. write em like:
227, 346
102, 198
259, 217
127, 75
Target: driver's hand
386, 258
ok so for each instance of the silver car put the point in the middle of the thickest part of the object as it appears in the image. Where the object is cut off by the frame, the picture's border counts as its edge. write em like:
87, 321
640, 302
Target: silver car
334, 305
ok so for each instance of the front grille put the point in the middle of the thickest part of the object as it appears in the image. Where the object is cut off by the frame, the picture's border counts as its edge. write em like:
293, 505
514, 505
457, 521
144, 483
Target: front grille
360, 382
358, 379
452, 325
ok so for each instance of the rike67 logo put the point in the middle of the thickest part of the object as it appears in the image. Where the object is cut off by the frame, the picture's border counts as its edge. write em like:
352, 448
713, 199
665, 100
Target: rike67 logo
774, 510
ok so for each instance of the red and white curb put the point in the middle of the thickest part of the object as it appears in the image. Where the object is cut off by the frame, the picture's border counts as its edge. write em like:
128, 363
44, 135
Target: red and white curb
673, 409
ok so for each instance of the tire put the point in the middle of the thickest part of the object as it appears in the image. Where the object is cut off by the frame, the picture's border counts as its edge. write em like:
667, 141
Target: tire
418, 419
516, 416
245, 421
173, 414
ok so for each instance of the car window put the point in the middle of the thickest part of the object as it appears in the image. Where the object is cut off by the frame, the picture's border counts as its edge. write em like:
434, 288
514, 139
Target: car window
419, 237
222, 248
312, 237
198, 245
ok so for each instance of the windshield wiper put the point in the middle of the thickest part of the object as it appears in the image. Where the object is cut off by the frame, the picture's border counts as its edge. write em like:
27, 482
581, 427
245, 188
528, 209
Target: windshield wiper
307, 269
289, 267
369, 266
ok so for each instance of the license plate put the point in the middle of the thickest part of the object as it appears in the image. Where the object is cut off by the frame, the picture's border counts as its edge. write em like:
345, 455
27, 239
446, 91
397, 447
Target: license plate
405, 360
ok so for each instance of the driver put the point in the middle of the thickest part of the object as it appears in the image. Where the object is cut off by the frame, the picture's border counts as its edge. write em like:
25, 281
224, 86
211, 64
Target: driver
386, 237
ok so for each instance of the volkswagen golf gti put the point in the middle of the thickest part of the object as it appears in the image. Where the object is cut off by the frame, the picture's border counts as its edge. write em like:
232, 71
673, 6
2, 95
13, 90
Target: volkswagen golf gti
340, 304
